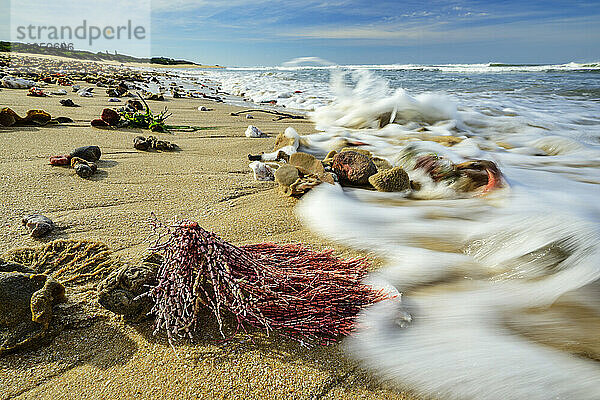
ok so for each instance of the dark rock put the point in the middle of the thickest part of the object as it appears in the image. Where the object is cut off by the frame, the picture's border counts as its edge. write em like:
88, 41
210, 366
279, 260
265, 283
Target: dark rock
68, 103
353, 168
88, 153
110, 116
140, 143
98, 123
39, 225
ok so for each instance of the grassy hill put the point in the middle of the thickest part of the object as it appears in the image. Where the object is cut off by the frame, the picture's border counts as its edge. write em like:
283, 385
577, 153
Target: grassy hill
85, 55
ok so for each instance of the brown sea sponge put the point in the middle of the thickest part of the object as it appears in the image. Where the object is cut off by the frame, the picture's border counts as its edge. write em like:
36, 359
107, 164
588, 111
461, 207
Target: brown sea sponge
390, 180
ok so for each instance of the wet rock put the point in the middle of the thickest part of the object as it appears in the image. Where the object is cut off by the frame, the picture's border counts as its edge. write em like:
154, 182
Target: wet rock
353, 168
26, 302
356, 150
381, 163
306, 164
110, 116
88, 153
16, 83
38, 225
286, 175
390, 180
121, 291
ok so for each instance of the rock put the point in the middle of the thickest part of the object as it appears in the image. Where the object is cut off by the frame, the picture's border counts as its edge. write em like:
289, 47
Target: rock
286, 175
353, 168
36, 92
307, 164
140, 143
304, 184
249, 116
37, 117
202, 108
134, 105
110, 116
83, 168
121, 291
10, 82
38, 225
8, 117
153, 143
114, 100
26, 302
75, 88
64, 159
154, 97
254, 132
68, 103
88, 153
390, 180
381, 163
357, 150
262, 171
99, 123
87, 92
59, 92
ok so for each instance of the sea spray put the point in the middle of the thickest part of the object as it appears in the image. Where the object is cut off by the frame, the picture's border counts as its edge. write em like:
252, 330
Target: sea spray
481, 277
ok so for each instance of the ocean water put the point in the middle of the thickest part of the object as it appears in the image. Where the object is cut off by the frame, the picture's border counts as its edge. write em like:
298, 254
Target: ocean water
500, 292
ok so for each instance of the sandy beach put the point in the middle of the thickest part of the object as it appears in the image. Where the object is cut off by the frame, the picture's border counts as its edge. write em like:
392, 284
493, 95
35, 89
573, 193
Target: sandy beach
208, 181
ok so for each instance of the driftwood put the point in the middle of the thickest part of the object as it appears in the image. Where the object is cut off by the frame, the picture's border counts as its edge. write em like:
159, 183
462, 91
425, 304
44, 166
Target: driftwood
279, 117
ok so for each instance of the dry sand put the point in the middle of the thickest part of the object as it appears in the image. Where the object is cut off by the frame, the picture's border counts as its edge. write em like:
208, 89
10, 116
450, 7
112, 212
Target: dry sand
208, 181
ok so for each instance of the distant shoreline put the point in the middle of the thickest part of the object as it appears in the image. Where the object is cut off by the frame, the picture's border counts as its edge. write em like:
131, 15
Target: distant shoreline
80, 55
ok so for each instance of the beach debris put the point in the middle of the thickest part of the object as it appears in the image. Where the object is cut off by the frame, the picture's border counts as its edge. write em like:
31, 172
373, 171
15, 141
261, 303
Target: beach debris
38, 225
60, 160
262, 171
10, 82
202, 108
312, 297
280, 115
121, 292
153, 143
110, 116
286, 144
154, 96
302, 172
86, 92
26, 301
59, 92
249, 116
353, 168
114, 100
390, 180
468, 176
83, 168
10, 118
88, 153
35, 92
68, 103
253, 132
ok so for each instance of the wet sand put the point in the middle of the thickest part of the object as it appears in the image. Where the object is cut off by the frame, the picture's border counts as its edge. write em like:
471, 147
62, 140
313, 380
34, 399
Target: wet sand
208, 181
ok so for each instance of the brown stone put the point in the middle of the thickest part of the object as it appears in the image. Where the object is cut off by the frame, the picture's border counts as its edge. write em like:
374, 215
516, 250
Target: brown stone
286, 175
353, 168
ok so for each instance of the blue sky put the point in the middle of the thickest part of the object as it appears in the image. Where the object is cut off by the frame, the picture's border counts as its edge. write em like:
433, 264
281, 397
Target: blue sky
270, 32
259, 32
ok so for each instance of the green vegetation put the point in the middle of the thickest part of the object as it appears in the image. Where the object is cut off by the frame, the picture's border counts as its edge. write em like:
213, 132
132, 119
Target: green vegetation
85, 55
